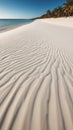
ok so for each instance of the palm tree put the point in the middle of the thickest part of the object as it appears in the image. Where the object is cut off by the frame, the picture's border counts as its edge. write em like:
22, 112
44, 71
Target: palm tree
57, 12
48, 13
68, 8
68, 2
60, 11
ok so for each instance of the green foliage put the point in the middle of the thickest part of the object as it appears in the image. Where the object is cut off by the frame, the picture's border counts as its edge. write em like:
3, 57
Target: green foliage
64, 11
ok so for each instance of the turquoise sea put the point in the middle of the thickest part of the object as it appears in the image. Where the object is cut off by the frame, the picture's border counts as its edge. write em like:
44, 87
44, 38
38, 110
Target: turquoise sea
7, 23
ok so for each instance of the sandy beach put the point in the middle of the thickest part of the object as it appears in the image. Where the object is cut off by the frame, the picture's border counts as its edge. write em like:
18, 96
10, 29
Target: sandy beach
36, 76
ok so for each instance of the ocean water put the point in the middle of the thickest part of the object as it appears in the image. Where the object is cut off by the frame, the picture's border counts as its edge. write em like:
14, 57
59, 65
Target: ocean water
7, 23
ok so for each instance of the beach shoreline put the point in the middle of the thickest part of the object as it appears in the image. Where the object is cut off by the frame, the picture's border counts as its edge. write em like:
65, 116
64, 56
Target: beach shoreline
13, 27
53, 21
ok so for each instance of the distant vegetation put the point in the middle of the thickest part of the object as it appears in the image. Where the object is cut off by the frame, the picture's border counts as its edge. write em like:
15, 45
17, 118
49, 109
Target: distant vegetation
64, 11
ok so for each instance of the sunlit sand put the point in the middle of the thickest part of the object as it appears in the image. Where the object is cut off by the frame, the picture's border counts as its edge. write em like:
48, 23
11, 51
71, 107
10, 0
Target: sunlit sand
36, 76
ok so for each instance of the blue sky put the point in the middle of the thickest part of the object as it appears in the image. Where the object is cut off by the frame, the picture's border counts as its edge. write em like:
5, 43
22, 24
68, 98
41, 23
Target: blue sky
26, 8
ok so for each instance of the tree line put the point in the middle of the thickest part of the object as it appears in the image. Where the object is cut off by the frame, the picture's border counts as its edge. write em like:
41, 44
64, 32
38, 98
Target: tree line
62, 11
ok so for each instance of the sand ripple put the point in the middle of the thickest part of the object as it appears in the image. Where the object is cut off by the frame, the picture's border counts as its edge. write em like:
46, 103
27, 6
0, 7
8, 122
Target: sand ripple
36, 86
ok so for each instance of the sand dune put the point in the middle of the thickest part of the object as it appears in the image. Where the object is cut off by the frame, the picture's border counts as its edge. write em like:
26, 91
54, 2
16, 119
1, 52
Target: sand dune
36, 77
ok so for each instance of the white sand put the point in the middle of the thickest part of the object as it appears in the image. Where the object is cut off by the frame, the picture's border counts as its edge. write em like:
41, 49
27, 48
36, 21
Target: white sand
36, 76
66, 22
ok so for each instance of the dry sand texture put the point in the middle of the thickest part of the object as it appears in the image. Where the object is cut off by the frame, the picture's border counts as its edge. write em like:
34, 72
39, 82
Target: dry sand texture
36, 77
